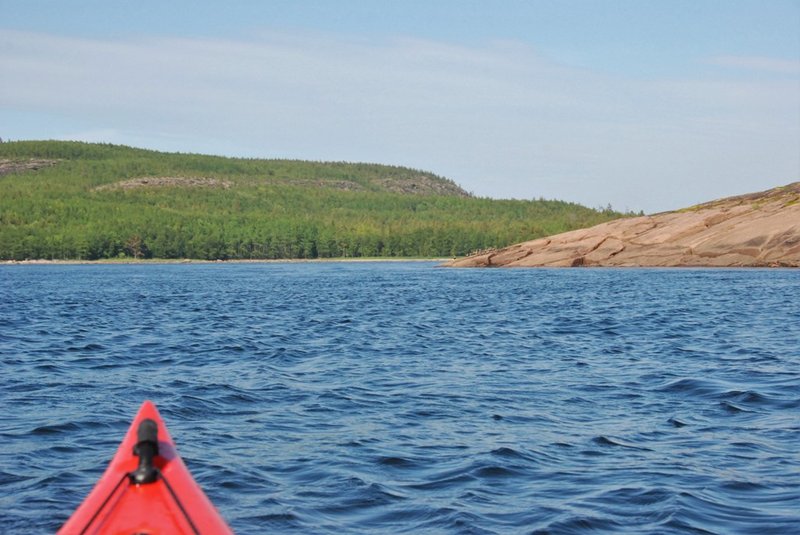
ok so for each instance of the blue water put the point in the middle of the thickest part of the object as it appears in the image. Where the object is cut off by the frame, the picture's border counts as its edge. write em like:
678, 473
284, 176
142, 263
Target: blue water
402, 398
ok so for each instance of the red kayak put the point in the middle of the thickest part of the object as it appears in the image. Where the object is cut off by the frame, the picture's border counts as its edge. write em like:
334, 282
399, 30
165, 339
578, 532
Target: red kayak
146, 489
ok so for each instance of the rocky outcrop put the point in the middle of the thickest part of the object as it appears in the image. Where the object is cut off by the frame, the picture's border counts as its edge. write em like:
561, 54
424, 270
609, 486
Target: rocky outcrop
754, 230
16, 166
167, 181
421, 184
414, 185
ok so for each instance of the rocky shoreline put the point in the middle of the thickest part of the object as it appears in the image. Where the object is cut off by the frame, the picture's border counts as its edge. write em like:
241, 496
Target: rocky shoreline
157, 261
754, 230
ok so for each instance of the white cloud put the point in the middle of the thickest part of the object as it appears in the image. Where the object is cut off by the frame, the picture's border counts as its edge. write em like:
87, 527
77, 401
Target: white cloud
756, 63
501, 120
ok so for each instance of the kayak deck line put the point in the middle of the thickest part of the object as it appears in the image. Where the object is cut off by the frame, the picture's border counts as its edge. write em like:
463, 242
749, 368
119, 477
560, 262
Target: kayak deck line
146, 489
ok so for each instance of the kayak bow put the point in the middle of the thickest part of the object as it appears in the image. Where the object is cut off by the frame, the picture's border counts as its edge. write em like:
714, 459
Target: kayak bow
146, 489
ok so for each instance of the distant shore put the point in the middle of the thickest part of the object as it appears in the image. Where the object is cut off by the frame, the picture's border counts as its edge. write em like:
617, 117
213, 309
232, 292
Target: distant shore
132, 261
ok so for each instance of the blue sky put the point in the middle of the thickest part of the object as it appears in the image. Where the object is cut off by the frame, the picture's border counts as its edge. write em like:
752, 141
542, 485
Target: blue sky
645, 105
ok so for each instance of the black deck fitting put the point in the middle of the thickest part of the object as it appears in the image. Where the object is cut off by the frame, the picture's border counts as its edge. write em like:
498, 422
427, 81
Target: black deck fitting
146, 449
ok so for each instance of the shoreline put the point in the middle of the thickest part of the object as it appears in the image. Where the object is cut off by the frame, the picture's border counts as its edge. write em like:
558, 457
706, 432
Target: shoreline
162, 261
441, 262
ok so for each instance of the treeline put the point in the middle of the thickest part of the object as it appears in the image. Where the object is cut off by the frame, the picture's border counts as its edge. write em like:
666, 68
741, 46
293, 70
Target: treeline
270, 209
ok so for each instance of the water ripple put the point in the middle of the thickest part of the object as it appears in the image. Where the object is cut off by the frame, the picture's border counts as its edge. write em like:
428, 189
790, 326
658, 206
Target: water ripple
399, 398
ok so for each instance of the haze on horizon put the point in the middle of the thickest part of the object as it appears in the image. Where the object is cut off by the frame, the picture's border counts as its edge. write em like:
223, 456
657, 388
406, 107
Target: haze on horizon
644, 105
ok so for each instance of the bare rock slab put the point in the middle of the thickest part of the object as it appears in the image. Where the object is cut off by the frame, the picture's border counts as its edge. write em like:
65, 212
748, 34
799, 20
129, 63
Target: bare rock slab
755, 230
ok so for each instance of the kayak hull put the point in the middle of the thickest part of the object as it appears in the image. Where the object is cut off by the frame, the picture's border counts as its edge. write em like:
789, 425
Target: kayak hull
173, 503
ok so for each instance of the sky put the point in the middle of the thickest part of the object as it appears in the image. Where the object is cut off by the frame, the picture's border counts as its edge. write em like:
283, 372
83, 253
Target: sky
648, 105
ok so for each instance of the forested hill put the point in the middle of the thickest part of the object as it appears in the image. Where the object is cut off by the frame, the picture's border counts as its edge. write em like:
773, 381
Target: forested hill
72, 200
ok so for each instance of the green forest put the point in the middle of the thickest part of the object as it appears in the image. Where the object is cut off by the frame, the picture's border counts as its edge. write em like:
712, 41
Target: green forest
88, 201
